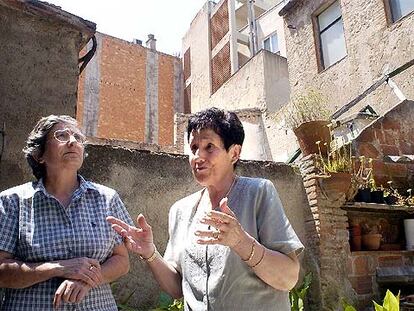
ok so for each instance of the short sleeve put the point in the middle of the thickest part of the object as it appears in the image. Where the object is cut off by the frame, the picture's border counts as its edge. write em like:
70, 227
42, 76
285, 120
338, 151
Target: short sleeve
118, 210
274, 228
172, 253
9, 223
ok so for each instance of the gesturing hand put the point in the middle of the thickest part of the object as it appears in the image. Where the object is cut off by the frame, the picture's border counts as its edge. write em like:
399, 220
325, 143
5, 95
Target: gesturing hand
84, 269
137, 239
70, 291
228, 230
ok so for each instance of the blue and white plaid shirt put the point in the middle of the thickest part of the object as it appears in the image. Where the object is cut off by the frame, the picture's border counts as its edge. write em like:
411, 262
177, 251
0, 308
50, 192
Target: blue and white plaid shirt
35, 227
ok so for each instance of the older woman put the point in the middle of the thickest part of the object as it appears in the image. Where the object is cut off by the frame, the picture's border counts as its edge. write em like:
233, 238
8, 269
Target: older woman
56, 249
231, 246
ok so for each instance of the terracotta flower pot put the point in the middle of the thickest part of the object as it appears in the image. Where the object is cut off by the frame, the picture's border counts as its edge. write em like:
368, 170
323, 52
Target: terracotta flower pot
309, 133
371, 241
337, 185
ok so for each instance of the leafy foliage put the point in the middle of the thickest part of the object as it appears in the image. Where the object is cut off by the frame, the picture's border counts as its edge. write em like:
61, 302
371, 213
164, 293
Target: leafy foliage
297, 295
391, 303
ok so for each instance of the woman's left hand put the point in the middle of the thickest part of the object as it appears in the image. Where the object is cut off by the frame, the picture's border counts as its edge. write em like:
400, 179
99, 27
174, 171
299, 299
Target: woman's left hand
228, 231
70, 291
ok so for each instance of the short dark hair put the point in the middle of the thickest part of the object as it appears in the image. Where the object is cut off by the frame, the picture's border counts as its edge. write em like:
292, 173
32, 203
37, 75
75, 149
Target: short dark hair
224, 123
36, 142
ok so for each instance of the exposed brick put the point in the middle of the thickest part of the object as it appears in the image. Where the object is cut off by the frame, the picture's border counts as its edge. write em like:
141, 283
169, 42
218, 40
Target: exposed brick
406, 147
396, 169
379, 135
390, 150
390, 261
390, 124
366, 136
390, 138
378, 167
368, 150
361, 284
361, 265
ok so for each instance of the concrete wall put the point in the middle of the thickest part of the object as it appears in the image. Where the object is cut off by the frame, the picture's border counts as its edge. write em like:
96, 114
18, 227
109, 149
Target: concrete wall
374, 46
268, 23
130, 92
38, 77
197, 39
150, 183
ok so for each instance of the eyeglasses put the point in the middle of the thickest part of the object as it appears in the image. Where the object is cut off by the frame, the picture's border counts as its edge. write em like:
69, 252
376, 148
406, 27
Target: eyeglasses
64, 135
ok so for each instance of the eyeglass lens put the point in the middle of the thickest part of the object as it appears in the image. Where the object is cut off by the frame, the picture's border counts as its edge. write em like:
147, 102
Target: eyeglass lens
64, 136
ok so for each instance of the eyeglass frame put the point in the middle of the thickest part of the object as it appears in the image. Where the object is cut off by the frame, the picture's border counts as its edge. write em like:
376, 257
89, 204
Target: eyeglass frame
71, 133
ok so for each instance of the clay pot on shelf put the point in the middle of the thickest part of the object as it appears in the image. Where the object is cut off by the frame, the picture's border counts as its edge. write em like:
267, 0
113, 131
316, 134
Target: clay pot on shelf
371, 241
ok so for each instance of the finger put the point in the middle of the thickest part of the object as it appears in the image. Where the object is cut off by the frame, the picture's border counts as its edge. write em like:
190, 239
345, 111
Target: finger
225, 208
142, 222
220, 217
120, 230
58, 295
67, 293
82, 293
219, 225
74, 295
116, 221
208, 241
208, 234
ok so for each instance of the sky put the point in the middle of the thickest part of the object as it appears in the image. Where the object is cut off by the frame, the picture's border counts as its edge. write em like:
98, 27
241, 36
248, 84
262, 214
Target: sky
135, 19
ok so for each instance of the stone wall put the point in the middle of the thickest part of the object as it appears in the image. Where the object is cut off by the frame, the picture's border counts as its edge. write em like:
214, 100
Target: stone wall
374, 47
39, 52
150, 183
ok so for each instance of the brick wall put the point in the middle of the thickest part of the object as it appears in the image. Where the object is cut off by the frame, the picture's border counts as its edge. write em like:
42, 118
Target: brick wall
219, 23
391, 134
362, 272
126, 91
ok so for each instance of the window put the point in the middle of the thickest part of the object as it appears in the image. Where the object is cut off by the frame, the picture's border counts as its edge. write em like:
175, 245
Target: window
331, 35
400, 8
271, 44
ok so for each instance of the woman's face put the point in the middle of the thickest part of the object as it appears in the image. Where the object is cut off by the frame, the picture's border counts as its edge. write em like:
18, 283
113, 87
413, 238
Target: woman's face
64, 148
209, 160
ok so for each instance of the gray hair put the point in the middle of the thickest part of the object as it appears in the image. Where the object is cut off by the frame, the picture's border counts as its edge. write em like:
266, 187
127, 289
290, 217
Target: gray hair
36, 142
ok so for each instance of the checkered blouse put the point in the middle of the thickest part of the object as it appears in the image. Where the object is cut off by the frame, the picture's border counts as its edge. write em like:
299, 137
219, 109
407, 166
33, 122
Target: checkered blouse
35, 227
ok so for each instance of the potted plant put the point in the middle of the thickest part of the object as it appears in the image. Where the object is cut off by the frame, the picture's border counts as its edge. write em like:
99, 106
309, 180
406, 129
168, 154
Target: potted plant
391, 195
308, 117
335, 169
367, 189
371, 238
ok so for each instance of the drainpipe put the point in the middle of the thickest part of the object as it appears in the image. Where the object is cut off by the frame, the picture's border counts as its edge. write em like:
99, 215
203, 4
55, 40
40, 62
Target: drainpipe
88, 56
252, 28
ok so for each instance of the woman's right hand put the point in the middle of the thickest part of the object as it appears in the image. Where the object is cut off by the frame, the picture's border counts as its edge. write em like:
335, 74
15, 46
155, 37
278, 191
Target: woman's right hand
84, 269
137, 239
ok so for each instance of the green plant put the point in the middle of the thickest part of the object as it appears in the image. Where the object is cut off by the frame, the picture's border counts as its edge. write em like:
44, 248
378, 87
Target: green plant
338, 158
167, 303
310, 106
347, 306
390, 303
297, 295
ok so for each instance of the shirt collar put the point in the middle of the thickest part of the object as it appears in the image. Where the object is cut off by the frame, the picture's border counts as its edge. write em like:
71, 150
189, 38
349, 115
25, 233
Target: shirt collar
84, 186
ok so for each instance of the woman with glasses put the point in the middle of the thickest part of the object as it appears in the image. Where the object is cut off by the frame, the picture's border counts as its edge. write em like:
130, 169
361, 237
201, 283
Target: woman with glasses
231, 246
57, 252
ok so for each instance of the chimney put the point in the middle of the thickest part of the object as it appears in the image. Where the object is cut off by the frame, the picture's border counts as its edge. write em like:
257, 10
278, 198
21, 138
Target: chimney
137, 41
151, 42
